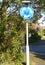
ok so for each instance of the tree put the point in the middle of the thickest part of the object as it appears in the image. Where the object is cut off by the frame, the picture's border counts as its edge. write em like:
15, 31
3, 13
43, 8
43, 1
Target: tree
11, 36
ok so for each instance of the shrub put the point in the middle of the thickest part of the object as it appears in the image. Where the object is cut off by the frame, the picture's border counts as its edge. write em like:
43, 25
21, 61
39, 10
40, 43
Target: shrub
34, 36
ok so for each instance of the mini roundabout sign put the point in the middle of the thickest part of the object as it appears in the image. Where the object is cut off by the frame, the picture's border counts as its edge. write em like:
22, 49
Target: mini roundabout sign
26, 12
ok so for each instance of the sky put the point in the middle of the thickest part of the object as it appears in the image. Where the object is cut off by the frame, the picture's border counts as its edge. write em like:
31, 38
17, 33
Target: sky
41, 21
10, 10
1, 0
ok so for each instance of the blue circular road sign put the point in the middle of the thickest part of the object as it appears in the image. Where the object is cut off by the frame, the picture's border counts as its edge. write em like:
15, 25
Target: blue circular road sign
26, 12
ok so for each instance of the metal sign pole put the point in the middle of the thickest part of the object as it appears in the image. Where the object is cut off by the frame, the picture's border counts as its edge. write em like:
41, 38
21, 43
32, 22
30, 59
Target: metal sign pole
27, 45
27, 13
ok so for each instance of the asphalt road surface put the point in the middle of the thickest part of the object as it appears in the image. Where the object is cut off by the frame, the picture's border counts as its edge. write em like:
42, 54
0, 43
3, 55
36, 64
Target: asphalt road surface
37, 51
40, 49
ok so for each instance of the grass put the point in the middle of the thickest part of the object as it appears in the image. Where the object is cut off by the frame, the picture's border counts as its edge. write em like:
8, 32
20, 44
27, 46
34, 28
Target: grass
24, 59
33, 59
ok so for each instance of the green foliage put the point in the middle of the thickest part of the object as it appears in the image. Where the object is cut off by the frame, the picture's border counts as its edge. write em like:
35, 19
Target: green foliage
34, 36
40, 2
41, 32
11, 37
19, 0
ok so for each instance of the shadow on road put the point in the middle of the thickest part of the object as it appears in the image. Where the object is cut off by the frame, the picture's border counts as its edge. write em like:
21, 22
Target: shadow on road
38, 48
40, 56
40, 42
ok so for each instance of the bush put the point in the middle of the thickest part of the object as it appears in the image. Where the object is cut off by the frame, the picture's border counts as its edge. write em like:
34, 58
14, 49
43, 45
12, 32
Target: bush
11, 39
34, 36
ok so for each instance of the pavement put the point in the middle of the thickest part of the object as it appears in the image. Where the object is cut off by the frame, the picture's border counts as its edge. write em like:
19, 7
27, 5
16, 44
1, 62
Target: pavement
37, 52
36, 60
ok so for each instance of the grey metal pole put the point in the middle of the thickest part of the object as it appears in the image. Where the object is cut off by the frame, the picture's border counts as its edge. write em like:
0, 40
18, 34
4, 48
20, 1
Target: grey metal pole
27, 45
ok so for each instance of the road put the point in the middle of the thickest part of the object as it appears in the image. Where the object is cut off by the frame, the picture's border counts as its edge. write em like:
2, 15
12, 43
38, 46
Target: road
37, 53
36, 49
